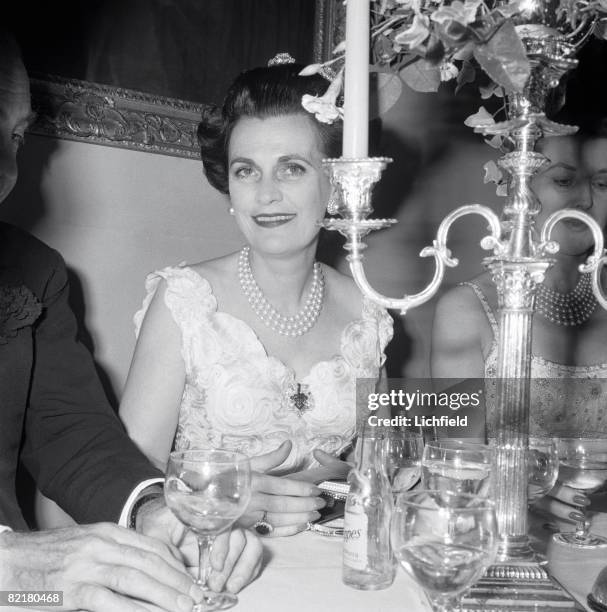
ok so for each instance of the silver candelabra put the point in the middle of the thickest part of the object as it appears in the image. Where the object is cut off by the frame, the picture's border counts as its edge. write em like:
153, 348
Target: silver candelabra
521, 255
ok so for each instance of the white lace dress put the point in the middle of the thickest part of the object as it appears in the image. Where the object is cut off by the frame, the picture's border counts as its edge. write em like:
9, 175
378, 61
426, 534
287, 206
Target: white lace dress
238, 397
564, 399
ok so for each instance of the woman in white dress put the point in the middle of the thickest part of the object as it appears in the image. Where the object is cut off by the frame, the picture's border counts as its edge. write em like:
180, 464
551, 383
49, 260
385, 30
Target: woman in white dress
569, 353
261, 349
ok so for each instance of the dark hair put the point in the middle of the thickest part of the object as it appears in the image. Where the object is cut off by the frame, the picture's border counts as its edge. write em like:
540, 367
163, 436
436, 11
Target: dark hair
10, 54
261, 93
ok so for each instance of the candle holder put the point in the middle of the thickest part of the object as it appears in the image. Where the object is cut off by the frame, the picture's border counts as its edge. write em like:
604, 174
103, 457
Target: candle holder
520, 257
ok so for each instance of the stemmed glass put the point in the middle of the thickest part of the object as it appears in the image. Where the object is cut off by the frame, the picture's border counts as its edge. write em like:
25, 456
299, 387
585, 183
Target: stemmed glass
542, 466
403, 457
445, 541
458, 467
583, 467
208, 490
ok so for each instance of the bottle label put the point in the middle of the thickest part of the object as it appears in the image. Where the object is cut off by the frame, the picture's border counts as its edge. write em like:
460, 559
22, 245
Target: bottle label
355, 540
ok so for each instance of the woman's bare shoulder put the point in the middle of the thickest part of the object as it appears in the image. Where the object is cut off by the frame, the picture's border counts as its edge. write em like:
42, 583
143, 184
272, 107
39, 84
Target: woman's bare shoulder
461, 304
343, 290
219, 269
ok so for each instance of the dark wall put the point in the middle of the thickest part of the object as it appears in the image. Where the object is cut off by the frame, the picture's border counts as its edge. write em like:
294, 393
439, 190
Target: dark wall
189, 49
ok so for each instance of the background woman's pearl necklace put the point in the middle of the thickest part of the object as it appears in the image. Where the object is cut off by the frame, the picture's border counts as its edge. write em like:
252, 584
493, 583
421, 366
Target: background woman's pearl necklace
296, 325
573, 308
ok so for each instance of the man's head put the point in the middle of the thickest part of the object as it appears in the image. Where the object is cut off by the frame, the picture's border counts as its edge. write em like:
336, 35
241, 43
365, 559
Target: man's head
15, 110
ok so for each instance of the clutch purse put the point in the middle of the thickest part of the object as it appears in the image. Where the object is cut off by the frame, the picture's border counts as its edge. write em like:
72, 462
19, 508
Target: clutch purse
330, 522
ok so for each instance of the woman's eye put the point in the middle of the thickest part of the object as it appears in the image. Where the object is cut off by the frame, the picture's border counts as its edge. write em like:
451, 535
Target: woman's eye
291, 171
600, 184
563, 181
244, 172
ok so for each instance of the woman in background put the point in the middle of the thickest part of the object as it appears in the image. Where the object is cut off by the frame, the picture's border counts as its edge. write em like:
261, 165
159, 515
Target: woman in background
569, 353
261, 348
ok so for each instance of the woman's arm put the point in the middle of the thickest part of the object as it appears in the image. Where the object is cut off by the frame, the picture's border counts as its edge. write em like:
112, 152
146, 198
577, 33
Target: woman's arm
152, 395
457, 336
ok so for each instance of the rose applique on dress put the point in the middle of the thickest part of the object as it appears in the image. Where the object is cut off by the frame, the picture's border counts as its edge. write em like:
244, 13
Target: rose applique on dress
19, 308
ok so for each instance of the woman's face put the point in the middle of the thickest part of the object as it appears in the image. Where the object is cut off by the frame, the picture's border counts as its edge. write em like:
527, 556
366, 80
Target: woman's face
563, 184
594, 162
277, 185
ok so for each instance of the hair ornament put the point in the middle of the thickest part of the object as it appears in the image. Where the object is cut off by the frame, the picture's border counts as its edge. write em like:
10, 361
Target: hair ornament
324, 107
281, 58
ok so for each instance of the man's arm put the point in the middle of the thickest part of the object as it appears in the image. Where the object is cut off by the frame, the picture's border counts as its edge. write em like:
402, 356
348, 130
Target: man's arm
75, 446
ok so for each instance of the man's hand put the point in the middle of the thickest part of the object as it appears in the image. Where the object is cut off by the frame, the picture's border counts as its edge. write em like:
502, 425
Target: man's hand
99, 567
154, 519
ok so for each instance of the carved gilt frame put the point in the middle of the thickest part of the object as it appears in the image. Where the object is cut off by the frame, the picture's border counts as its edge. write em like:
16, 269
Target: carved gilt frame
102, 114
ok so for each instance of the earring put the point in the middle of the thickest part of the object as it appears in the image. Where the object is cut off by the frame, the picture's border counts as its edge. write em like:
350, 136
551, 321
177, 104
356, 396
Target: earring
333, 203
231, 210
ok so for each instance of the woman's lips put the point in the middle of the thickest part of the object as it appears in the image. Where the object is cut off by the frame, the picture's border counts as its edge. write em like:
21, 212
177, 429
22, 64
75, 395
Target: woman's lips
575, 224
272, 220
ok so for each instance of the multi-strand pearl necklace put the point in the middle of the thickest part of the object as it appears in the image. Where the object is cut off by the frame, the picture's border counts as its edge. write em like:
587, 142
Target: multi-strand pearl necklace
293, 326
573, 308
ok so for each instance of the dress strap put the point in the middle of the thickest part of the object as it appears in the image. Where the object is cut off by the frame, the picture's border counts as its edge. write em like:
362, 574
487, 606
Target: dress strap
485, 304
188, 296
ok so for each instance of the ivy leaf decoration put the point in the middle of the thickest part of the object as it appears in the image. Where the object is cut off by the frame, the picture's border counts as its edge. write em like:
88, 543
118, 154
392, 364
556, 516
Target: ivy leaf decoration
600, 29
416, 34
503, 58
487, 91
496, 142
421, 75
480, 119
467, 74
493, 174
387, 87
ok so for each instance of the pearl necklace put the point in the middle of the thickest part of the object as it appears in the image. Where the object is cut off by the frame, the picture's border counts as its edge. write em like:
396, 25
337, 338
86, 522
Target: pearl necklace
573, 308
293, 326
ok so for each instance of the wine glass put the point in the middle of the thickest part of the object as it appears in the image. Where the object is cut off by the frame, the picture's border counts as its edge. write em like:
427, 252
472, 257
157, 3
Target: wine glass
583, 467
445, 541
458, 467
403, 457
542, 466
208, 490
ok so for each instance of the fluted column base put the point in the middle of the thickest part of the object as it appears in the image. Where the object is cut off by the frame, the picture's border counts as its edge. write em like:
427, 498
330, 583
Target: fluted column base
514, 587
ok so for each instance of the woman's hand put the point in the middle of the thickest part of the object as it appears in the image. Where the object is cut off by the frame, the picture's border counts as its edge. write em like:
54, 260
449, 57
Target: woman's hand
562, 503
331, 469
287, 503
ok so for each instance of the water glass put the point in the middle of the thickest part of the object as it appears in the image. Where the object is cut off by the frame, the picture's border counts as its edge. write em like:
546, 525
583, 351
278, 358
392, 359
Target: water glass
403, 458
208, 491
445, 541
458, 467
583, 467
542, 466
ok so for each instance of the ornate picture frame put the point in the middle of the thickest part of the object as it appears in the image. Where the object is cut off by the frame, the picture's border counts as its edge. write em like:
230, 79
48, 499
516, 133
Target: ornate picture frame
102, 114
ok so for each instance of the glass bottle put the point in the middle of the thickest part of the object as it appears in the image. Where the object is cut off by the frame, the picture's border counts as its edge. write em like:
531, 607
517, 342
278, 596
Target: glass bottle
368, 563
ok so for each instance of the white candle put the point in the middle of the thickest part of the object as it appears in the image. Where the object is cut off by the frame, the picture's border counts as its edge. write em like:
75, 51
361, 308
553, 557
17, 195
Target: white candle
356, 89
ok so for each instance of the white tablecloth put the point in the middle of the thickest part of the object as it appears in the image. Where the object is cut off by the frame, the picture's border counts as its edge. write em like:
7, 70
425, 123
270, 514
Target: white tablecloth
303, 574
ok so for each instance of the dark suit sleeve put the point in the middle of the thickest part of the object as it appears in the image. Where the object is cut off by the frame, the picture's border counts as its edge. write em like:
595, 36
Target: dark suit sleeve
75, 446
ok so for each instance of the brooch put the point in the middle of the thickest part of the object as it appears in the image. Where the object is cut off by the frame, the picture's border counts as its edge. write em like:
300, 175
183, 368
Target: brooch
19, 307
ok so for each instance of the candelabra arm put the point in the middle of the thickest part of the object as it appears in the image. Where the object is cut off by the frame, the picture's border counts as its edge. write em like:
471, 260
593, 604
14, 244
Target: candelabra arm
408, 301
596, 261
493, 241
438, 250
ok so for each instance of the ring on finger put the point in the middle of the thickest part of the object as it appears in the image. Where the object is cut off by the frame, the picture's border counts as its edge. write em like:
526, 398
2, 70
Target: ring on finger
262, 526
